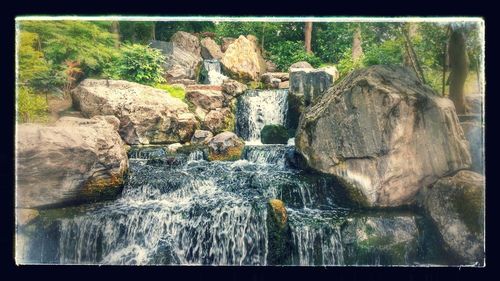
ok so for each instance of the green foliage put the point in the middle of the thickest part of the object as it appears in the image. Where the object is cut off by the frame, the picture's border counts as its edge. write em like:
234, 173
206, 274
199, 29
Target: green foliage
174, 91
30, 107
136, 31
165, 30
34, 71
286, 53
274, 134
388, 53
346, 64
138, 63
331, 40
86, 42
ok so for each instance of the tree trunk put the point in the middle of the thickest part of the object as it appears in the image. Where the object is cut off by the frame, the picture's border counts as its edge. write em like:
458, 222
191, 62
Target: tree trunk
115, 28
357, 49
153, 31
307, 36
459, 66
412, 29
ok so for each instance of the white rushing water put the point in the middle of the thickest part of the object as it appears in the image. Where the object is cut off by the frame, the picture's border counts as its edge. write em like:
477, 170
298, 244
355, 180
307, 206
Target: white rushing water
257, 108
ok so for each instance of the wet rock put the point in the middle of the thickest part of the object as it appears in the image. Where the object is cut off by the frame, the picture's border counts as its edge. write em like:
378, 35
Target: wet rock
147, 115
211, 73
201, 137
225, 146
243, 60
474, 104
284, 85
300, 64
278, 233
233, 88
380, 240
274, 134
474, 133
204, 100
385, 133
25, 216
268, 76
219, 120
74, 160
173, 147
456, 205
210, 49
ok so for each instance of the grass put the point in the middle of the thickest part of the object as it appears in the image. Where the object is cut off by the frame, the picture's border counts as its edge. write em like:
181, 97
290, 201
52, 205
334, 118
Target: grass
174, 91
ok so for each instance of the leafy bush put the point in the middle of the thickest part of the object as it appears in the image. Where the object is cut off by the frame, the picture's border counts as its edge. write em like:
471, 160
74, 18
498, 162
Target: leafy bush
390, 52
174, 91
30, 107
138, 63
286, 53
347, 64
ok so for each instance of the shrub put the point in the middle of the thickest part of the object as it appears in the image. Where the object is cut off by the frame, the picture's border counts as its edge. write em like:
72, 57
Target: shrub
286, 53
347, 64
390, 52
174, 91
30, 107
138, 63
274, 134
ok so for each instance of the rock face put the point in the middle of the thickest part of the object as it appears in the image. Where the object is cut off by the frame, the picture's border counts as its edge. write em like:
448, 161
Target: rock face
74, 160
219, 120
474, 104
243, 60
474, 133
181, 65
300, 64
380, 240
211, 73
311, 83
226, 41
210, 49
201, 137
385, 133
225, 146
187, 42
456, 205
147, 115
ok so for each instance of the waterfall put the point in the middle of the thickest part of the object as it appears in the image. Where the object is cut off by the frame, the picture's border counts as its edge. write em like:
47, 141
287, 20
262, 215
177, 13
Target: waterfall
211, 73
257, 108
267, 154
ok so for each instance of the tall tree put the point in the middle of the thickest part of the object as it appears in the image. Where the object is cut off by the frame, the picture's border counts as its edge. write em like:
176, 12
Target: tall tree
357, 49
307, 36
115, 29
459, 66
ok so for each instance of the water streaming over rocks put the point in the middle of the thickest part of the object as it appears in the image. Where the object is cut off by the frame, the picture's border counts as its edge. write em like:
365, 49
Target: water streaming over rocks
211, 73
182, 209
257, 108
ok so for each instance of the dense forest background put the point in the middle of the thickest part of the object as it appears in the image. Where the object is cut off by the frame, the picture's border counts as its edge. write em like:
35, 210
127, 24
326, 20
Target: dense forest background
53, 56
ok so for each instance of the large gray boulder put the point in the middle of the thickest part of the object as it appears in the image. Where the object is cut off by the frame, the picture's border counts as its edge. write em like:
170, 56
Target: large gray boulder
226, 146
181, 64
385, 133
456, 205
187, 42
311, 83
147, 115
74, 160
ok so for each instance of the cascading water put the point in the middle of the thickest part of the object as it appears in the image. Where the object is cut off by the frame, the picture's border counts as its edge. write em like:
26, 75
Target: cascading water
257, 108
211, 73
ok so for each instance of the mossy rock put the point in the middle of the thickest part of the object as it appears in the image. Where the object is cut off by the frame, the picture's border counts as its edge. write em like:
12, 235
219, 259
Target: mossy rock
231, 154
279, 233
274, 134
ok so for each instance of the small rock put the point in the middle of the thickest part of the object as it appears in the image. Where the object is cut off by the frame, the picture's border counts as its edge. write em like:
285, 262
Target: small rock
233, 87
173, 147
300, 64
225, 146
201, 137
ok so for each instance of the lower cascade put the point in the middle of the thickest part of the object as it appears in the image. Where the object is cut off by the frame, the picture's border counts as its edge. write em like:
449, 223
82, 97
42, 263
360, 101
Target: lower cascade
257, 108
182, 209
